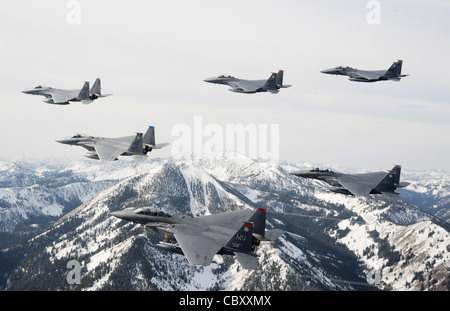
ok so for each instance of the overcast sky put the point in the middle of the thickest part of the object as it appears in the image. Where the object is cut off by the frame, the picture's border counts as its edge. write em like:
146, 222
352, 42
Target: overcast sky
154, 55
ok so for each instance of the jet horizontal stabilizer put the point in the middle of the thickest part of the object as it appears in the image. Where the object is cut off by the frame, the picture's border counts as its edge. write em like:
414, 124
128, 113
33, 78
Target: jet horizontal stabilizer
247, 261
273, 234
403, 184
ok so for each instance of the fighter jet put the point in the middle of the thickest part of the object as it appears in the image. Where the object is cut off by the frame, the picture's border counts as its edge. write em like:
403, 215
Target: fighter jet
64, 97
271, 85
394, 73
199, 239
108, 149
358, 184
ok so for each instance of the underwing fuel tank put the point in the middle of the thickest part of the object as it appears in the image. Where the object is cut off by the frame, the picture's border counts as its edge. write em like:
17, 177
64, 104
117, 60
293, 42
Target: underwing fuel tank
171, 247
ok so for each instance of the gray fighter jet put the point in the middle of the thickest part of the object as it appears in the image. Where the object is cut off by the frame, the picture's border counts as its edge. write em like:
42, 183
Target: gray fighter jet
271, 85
199, 239
394, 73
64, 97
358, 184
108, 149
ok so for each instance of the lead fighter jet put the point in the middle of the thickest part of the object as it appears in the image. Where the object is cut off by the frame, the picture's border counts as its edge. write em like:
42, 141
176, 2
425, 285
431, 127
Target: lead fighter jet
358, 184
394, 73
271, 85
199, 239
64, 97
108, 149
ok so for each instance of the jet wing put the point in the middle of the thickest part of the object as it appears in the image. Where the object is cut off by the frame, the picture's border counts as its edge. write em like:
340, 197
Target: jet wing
367, 75
199, 250
361, 184
60, 97
208, 234
232, 220
107, 151
247, 86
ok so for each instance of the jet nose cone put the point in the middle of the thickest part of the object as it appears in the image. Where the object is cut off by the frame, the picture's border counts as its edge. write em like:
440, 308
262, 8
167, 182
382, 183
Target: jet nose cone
297, 173
328, 70
62, 141
118, 214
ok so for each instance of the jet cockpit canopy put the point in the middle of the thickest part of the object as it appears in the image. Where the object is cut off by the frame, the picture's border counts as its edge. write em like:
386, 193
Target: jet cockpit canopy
149, 211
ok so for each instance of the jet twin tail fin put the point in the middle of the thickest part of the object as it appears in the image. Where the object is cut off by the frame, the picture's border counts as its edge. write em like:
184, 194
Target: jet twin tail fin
279, 79
150, 140
149, 137
395, 71
241, 245
96, 88
271, 83
391, 181
84, 94
259, 220
275, 82
137, 147
242, 239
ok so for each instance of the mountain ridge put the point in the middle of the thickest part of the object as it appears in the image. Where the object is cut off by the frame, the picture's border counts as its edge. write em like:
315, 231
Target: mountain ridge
332, 242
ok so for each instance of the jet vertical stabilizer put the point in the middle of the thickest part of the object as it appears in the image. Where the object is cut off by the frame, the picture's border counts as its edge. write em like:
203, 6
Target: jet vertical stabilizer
149, 137
137, 146
259, 230
395, 69
150, 140
391, 181
271, 84
84, 94
241, 245
96, 89
279, 79
259, 221
242, 239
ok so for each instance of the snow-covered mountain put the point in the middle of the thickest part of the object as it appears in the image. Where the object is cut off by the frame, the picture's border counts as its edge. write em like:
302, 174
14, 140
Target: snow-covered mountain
331, 241
33, 194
